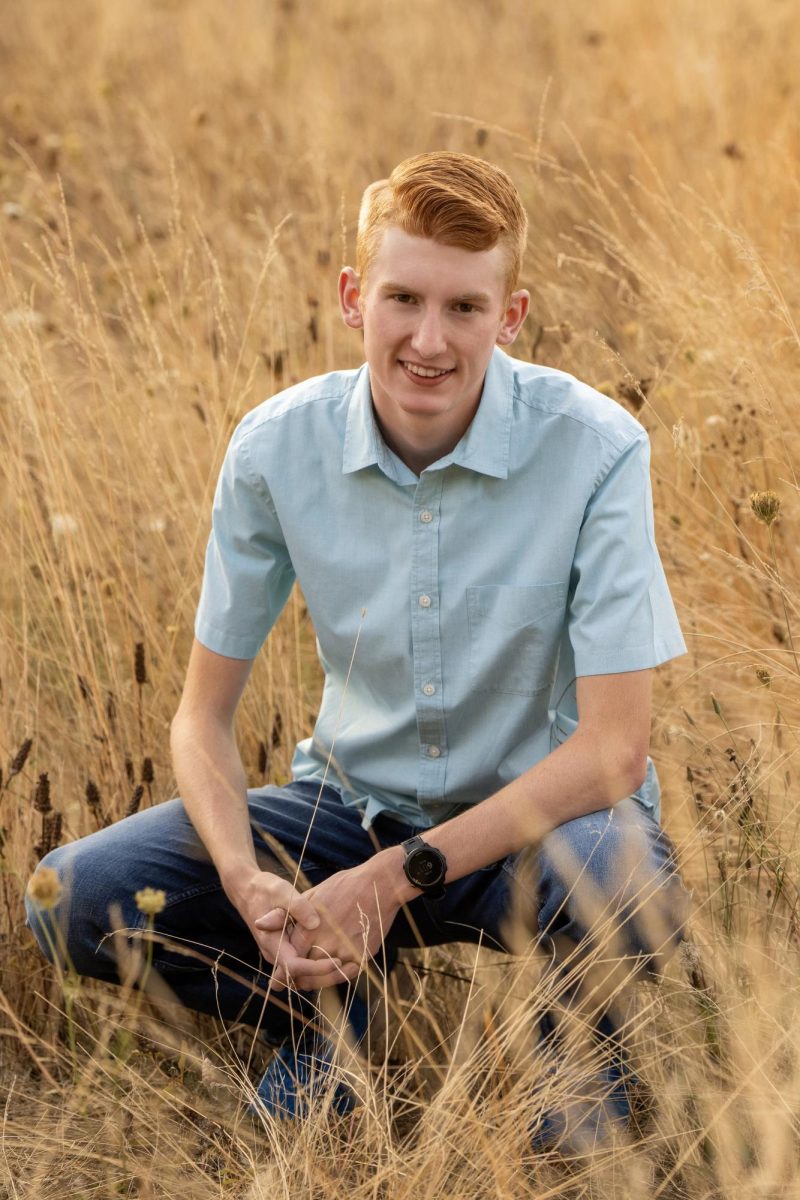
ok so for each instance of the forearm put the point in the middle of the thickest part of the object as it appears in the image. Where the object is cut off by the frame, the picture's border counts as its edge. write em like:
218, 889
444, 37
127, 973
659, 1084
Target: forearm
578, 777
211, 782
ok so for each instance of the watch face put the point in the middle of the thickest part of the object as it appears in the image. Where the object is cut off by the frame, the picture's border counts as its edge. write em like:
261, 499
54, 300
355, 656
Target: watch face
425, 867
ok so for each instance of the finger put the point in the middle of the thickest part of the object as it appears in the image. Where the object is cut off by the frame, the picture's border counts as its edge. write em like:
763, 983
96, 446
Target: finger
276, 918
341, 975
302, 910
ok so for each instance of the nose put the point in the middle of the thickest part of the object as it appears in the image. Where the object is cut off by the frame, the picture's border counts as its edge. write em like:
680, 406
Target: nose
429, 340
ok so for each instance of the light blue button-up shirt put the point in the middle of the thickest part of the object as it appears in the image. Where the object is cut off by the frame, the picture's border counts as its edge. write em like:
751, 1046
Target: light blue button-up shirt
453, 610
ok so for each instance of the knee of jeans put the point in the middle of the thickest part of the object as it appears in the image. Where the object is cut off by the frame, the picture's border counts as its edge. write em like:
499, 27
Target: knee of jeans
42, 914
62, 921
609, 880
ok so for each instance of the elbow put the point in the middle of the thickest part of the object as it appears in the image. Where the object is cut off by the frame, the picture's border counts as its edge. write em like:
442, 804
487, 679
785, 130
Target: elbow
637, 771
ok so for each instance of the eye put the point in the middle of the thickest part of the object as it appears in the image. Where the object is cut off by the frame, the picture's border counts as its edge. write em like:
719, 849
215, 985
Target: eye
464, 306
403, 297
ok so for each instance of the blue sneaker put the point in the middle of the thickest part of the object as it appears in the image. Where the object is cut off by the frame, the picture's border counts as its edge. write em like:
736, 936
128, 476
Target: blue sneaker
298, 1076
588, 1121
294, 1082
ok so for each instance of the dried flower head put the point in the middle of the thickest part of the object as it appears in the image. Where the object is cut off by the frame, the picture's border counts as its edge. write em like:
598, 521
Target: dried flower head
150, 901
44, 887
135, 800
147, 770
263, 758
765, 505
41, 797
93, 797
51, 832
20, 758
763, 676
139, 668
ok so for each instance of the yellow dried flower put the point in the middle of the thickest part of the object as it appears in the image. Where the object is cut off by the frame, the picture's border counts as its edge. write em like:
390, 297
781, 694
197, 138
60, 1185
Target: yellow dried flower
765, 505
150, 901
44, 887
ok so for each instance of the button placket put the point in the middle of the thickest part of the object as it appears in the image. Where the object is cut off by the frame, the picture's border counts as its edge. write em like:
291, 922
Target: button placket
426, 639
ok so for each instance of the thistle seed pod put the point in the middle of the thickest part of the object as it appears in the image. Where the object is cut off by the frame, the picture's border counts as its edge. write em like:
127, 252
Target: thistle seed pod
765, 505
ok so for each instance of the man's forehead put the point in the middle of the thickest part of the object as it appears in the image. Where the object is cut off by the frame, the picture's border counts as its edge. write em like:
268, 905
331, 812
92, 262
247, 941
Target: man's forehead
406, 259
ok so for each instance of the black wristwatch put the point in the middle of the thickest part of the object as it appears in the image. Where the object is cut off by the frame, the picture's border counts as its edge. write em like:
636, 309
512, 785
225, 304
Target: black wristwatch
425, 867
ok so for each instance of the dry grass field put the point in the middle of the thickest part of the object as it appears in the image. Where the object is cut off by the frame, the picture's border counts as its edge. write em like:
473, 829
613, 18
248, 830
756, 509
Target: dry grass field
179, 183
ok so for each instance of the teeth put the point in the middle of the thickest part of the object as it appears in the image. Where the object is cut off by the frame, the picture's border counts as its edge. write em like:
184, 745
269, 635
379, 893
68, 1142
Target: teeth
425, 372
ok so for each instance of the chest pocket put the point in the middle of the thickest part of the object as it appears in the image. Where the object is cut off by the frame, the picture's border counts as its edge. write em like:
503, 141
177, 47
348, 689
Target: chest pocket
513, 636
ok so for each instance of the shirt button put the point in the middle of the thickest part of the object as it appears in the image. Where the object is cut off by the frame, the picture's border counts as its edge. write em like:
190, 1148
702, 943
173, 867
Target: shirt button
425, 601
433, 752
428, 689
426, 515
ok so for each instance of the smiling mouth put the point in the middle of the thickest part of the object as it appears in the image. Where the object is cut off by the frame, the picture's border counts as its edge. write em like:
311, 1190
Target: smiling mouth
426, 372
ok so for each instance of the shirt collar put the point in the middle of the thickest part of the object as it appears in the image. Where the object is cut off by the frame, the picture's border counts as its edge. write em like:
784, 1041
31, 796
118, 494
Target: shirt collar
483, 448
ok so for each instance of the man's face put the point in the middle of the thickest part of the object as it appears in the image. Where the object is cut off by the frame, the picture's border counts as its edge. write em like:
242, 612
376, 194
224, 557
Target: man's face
431, 316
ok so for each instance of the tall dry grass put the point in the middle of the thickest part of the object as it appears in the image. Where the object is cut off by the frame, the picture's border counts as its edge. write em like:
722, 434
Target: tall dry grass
178, 186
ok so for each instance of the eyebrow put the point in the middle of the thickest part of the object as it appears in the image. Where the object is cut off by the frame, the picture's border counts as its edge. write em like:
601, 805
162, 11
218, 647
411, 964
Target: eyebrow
465, 297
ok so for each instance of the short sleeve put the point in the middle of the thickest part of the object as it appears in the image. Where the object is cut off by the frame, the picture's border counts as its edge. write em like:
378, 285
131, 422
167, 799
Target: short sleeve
248, 574
620, 614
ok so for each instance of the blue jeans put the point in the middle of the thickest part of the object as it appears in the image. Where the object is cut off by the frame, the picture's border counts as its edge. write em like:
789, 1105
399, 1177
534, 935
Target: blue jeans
615, 866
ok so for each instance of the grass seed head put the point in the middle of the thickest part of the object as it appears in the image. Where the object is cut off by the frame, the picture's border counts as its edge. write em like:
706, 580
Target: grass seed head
765, 505
20, 758
92, 796
44, 887
135, 800
150, 901
41, 797
140, 669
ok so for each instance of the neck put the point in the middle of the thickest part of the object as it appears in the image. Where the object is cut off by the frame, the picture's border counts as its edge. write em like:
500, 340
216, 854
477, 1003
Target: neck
418, 452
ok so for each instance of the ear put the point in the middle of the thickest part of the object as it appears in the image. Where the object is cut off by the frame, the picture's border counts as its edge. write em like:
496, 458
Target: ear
349, 297
515, 314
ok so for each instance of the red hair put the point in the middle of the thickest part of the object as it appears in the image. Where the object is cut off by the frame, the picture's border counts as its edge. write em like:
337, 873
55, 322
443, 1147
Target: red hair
453, 198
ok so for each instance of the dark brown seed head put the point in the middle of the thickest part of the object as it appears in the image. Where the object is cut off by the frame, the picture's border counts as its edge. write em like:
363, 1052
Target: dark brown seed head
129, 769
263, 758
147, 770
111, 707
85, 690
92, 796
135, 801
51, 832
20, 758
277, 728
140, 670
41, 797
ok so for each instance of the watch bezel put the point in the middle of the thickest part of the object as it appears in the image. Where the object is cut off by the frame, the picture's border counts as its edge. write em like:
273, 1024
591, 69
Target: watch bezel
432, 887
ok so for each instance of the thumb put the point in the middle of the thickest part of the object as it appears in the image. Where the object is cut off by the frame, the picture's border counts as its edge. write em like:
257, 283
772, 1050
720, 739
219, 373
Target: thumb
273, 920
301, 911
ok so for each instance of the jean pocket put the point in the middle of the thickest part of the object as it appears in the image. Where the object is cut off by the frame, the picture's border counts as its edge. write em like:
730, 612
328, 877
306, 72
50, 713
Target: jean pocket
513, 636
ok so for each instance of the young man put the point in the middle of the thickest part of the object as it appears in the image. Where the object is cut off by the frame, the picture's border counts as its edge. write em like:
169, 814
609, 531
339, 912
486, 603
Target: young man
473, 537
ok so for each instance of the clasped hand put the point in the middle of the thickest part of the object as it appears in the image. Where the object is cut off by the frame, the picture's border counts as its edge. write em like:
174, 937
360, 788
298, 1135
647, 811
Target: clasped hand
326, 934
